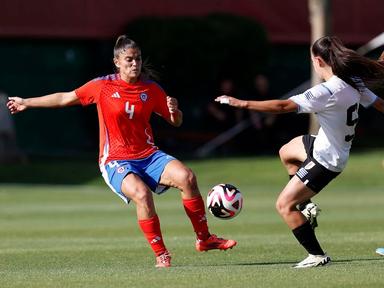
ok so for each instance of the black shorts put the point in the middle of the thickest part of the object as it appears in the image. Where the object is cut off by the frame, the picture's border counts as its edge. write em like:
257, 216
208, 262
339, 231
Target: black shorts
314, 175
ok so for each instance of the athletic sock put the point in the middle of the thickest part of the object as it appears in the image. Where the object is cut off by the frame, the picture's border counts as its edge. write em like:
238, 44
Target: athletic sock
302, 205
152, 231
307, 238
195, 210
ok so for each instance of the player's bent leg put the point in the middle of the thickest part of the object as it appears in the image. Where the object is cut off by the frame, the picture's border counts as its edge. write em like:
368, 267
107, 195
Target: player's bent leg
136, 190
293, 154
177, 175
296, 192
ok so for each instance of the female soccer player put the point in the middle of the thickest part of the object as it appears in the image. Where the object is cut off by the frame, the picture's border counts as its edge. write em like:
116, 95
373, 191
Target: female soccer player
316, 160
130, 163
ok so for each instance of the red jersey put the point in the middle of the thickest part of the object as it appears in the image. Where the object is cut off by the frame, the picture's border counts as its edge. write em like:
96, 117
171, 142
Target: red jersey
124, 111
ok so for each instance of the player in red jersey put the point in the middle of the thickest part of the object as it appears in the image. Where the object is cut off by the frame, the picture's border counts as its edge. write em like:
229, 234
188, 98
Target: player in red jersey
132, 166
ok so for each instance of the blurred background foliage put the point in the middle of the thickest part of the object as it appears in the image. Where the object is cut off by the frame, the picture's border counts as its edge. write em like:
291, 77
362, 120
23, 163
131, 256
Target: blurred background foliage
191, 56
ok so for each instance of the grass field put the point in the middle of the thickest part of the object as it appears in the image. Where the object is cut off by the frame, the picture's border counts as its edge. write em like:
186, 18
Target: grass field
84, 236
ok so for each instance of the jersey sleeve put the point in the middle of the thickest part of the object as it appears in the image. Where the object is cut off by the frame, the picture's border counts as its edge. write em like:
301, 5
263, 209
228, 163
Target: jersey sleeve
313, 100
89, 93
160, 107
367, 96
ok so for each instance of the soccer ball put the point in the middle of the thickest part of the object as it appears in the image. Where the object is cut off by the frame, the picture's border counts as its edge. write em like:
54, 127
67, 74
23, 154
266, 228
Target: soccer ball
224, 201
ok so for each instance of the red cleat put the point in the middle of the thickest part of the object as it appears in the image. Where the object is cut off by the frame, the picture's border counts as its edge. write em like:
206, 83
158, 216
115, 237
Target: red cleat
213, 242
163, 260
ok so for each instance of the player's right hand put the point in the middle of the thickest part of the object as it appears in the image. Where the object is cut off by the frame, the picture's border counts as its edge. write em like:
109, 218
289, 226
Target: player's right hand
231, 101
16, 105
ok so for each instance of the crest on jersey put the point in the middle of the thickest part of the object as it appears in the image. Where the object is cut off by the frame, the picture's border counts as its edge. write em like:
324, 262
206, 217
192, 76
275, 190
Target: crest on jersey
120, 169
143, 97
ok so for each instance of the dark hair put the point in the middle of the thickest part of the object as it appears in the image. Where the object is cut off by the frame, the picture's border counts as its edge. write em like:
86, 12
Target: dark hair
123, 43
348, 64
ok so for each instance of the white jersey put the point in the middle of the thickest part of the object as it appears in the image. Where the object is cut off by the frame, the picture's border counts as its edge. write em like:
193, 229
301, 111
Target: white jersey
336, 105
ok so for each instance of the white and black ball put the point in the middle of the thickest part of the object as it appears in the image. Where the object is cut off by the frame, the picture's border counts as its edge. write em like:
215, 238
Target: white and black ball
224, 201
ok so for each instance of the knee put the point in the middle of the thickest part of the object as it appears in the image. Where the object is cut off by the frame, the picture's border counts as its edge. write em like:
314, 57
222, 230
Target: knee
283, 153
282, 207
278, 206
188, 179
143, 197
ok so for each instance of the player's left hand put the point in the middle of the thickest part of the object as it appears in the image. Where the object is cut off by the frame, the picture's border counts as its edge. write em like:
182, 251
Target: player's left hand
173, 105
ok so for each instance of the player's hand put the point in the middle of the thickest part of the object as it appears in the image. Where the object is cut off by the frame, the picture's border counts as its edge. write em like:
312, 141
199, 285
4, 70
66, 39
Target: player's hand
381, 58
231, 101
16, 104
173, 105
176, 115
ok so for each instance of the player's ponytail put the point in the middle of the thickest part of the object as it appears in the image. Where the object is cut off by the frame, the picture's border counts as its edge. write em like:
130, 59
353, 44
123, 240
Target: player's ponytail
349, 65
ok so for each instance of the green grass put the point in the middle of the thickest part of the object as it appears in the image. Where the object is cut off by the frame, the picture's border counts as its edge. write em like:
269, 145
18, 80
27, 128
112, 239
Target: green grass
84, 236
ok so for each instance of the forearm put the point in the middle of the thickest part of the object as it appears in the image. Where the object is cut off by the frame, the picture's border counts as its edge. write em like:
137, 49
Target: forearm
268, 106
176, 118
54, 100
271, 106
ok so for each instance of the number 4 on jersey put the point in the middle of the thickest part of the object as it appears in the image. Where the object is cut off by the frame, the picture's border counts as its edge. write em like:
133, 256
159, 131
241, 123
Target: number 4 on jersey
129, 109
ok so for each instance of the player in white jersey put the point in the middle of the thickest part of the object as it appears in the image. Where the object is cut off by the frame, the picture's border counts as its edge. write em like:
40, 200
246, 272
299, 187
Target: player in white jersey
316, 160
334, 139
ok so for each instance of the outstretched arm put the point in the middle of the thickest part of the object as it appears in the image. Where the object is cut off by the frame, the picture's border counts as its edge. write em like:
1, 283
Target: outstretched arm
61, 99
268, 106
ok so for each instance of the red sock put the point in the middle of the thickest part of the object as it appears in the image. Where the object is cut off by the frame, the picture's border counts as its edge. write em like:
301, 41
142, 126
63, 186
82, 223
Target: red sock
152, 231
195, 210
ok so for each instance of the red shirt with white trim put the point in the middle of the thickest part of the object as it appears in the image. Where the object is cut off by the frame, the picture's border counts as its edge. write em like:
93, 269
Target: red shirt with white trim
124, 111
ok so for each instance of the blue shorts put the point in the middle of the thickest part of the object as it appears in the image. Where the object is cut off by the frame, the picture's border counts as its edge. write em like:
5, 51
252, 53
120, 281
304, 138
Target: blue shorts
148, 169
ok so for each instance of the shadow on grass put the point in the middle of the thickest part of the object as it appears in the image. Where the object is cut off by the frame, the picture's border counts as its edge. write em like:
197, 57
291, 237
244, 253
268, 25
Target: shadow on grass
51, 171
294, 262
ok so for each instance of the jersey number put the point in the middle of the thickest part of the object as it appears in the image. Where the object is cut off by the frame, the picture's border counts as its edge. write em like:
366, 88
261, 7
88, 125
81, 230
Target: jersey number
351, 120
129, 109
